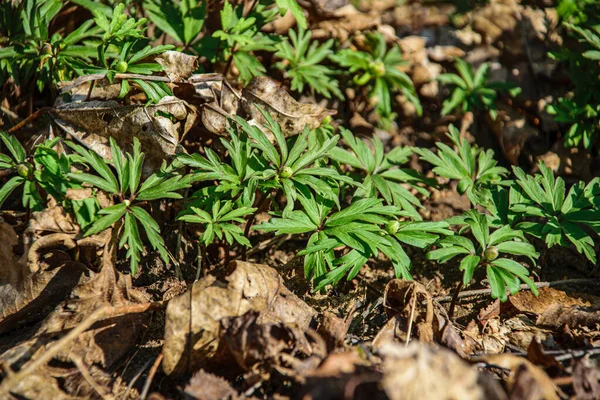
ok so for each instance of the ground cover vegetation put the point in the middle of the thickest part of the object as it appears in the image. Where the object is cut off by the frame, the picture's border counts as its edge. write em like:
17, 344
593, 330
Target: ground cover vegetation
155, 146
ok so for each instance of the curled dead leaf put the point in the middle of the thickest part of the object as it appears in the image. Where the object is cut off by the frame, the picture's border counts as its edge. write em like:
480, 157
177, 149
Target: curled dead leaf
177, 65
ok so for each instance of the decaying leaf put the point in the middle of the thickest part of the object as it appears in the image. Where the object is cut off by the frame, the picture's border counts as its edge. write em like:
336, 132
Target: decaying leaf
159, 127
27, 296
177, 65
526, 381
555, 308
586, 379
206, 386
193, 327
421, 371
269, 346
291, 115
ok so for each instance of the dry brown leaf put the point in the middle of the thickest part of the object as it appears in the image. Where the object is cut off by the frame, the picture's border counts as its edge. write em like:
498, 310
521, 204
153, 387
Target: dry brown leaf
526, 381
26, 297
193, 322
93, 123
291, 115
555, 308
586, 380
421, 371
206, 386
346, 21
178, 66
263, 347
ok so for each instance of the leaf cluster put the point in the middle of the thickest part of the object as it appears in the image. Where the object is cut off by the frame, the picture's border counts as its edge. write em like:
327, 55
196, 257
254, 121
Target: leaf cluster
486, 251
472, 91
377, 68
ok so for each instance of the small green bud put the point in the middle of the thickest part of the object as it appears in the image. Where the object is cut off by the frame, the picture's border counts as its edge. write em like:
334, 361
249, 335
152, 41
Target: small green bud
378, 68
491, 253
392, 227
287, 172
121, 66
24, 169
127, 203
47, 49
326, 120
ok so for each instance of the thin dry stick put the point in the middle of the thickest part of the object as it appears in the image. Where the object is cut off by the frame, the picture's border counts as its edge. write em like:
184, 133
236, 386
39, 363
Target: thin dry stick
412, 316
151, 374
83, 370
134, 380
101, 313
478, 292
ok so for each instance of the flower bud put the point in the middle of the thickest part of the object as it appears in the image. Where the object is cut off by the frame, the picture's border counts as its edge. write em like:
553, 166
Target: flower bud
24, 169
392, 227
286, 172
491, 253
121, 66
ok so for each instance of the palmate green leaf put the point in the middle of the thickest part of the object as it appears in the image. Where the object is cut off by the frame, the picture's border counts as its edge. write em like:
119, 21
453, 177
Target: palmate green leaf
110, 215
296, 222
421, 234
348, 264
131, 237
248, 65
152, 231
447, 253
107, 180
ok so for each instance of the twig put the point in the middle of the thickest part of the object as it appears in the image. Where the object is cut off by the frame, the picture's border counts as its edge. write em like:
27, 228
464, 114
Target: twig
134, 379
97, 77
478, 292
151, 374
412, 316
454, 299
31, 117
100, 313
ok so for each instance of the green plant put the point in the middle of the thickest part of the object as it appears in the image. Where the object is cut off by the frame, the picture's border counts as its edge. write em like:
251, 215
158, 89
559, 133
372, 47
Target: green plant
474, 168
182, 21
129, 192
378, 70
29, 53
558, 219
121, 35
472, 91
359, 228
502, 273
302, 64
579, 108
383, 176
219, 221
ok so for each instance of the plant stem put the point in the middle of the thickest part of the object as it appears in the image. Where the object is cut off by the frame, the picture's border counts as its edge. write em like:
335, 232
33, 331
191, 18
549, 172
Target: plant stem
454, 298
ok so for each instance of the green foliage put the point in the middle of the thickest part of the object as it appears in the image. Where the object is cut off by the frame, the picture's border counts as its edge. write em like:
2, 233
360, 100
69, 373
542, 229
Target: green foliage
474, 168
183, 21
502, 273
472, 91
579, 11
383, 176
219, 221
378, 70
240, 36
129, 192
359, 228
31, 53
558, 219
302, 64
579, 109
121, 35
